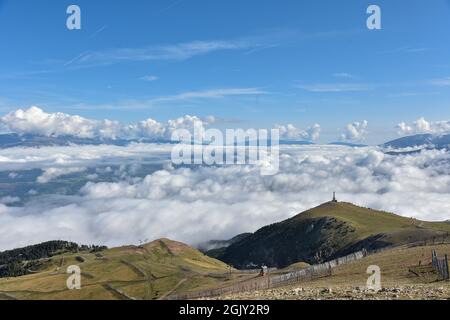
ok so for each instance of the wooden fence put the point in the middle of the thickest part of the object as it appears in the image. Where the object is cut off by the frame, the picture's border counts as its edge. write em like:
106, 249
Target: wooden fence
315, 271
440, 265
262, 283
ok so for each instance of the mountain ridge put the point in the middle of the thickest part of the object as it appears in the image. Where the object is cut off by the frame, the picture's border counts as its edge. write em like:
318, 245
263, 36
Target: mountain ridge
328, 231
12, 140
421, 140
146, 272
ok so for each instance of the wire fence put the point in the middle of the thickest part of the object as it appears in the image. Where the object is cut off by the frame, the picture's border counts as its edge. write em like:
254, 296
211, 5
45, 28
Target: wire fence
262, 283
312, 272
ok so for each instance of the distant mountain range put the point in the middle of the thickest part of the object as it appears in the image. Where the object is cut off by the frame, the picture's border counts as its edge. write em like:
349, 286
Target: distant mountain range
30, 140
326, 232
11, 140
296, 142
348, 144
421, 140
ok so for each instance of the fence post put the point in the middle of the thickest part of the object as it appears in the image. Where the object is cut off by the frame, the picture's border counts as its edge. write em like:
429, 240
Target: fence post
434, 259
446, 274
319, 270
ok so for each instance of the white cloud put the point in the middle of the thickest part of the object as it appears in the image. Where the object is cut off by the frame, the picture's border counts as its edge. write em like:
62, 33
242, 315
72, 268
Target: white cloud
149, 78
179, 51
12, 175
189, 96
92, 176
290, 132
36, 121
86, 156
422, 126
343, 75
53, 173
9, 200
187, 50
197, 204
211, 94
355, 131
334, 87
443, 82
314, 132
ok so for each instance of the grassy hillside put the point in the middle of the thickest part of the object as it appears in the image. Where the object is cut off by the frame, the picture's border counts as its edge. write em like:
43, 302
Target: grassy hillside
349, 281
368, 222
326, 232
296, 266
147, 272
25, 260
394, 264
164, 267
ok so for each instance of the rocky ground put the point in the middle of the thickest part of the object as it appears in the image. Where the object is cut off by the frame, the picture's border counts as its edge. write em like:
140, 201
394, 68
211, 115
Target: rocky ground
412, 292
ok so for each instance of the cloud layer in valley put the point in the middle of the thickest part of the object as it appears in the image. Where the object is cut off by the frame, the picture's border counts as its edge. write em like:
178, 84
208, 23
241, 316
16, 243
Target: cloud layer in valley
197, 204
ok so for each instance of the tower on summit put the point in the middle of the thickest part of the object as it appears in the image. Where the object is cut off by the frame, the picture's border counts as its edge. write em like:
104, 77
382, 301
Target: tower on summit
334, 197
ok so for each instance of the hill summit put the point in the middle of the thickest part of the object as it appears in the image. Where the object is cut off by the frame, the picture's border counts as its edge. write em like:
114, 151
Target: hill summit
149, 271
328, 231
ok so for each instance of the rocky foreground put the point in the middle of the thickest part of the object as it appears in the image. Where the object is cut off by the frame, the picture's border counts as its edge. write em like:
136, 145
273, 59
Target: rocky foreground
412, 292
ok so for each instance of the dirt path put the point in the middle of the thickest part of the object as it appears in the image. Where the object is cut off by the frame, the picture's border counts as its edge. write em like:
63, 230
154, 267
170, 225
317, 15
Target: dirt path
6, 296
173, 289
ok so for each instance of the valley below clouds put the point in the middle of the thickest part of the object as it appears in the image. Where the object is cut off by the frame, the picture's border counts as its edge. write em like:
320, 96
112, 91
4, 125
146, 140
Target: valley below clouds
117, 195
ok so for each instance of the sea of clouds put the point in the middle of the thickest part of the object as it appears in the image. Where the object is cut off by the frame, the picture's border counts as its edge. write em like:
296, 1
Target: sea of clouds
202, 203
195, 204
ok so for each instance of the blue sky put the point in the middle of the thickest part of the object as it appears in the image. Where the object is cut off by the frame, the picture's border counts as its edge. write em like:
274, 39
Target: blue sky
248, 63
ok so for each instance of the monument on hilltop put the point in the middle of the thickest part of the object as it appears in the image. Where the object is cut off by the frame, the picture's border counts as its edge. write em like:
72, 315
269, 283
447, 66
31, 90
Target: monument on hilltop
334, 198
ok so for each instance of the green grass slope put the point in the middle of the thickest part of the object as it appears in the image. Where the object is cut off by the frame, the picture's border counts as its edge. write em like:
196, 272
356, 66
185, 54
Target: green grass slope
151, 271
326, 232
